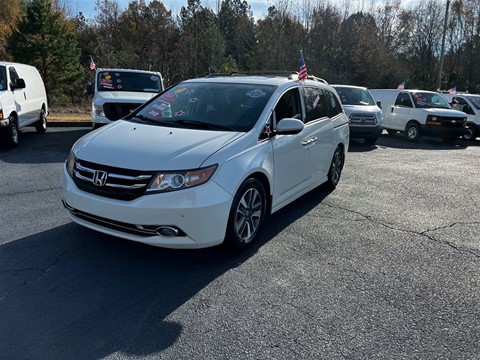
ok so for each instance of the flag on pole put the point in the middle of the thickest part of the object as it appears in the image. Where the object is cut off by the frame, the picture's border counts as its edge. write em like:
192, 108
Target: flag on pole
92, 65
453, 90
302, 75
401, 86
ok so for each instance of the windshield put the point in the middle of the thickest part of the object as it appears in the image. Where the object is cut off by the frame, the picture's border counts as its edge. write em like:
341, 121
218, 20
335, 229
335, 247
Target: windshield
3, 79
128, 81
354, 96
475, 100
430, 100
218, 106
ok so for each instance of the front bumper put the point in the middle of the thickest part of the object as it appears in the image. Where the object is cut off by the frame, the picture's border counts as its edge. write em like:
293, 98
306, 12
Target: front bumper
200, 213
443, 131
365, 131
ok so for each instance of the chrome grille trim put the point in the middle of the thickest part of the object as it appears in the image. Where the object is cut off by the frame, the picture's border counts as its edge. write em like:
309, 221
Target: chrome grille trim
363, 119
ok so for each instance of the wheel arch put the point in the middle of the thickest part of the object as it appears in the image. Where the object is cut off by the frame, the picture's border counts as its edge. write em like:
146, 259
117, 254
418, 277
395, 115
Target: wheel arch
266, 185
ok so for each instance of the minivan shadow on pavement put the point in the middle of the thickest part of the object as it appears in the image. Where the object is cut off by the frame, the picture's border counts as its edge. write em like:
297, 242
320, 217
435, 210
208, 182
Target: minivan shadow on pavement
70, 292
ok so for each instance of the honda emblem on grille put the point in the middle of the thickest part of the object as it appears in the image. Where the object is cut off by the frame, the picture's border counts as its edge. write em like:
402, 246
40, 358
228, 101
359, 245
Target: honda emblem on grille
100, 178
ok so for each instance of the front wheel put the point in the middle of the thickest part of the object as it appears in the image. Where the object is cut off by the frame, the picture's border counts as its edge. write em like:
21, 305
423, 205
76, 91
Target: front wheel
335, 169
246, 215
413, 132
11, 133
41, 123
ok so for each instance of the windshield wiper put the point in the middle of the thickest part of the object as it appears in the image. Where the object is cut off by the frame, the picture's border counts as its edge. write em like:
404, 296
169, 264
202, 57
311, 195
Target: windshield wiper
203, 125
154, 122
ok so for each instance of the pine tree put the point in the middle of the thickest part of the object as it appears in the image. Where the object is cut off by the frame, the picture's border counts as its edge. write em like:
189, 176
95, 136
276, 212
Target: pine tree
43, 38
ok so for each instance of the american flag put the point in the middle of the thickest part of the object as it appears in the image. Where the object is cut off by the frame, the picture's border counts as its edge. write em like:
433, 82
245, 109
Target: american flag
302, 75
401, 86
452, 91
92, 65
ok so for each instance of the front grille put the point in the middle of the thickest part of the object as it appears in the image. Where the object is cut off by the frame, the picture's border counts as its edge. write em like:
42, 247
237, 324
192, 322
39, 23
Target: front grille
111, 182
115, 111
363, 119
452, 122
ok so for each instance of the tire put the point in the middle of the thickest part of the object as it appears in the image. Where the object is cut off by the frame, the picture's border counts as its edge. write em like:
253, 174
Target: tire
41, 123
472, 133
246, 215
391, 132
413, 132
11, 134
335, 170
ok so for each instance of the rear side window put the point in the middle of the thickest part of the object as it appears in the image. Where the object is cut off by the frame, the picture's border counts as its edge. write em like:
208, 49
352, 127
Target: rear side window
333, 104
315, 103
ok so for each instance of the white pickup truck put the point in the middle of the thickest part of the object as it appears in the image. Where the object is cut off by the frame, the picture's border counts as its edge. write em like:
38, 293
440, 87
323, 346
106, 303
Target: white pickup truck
420, 113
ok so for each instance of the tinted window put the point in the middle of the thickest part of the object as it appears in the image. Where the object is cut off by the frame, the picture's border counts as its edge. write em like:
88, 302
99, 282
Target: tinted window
333, 105
3, 78
128, 81
315, 103
13, 74
288, 106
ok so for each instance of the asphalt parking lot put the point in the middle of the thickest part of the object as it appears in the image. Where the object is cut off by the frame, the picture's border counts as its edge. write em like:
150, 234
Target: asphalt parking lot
387, 266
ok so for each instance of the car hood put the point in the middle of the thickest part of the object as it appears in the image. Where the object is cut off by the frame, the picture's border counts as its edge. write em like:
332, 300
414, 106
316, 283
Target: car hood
123, 96
445, 112
350, 109
130, 145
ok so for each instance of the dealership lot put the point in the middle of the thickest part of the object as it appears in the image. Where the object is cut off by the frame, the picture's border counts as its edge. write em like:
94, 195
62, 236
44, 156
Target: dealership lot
385, 266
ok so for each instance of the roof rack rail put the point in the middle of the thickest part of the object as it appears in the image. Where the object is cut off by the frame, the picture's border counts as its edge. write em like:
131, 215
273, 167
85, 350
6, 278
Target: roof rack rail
283, 73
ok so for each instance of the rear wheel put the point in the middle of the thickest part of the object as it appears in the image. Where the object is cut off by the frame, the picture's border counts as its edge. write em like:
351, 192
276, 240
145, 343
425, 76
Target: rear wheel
335, 170
246, 215
41, 123
472, 133
413, 132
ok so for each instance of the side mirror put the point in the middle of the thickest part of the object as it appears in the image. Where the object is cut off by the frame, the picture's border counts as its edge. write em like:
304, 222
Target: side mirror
88, 89
379, 104
19, 84
289, 126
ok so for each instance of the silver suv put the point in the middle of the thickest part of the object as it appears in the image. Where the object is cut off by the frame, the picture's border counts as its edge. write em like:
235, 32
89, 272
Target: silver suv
364, 115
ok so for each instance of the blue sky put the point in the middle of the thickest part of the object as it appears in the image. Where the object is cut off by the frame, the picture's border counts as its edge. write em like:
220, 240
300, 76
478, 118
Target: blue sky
87, 7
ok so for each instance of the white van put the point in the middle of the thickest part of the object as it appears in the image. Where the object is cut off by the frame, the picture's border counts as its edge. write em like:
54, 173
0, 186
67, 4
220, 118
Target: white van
420, 113
117, 92
23, 101
470, 105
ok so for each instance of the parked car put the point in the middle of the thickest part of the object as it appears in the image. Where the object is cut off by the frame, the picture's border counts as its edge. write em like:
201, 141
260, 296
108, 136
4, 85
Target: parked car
420, 113
117, 92
470, 105
207, 160
23, 101
364, 115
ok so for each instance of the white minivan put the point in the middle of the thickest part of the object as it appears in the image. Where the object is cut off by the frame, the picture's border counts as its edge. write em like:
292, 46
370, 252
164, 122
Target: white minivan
23, 101
117, 92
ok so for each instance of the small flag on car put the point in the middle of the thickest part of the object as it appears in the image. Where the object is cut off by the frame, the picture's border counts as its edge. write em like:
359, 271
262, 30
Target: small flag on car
302, 75
401, 86
92, 65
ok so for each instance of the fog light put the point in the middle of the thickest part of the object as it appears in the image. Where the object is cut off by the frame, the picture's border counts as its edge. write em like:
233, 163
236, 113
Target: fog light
167, 231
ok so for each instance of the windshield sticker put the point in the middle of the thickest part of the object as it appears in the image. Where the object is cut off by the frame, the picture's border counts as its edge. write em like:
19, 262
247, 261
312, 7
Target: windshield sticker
180, 113
169, 96
317, 99
181, 90
254, 94
154, 113
161, 107
193, 100
153, 78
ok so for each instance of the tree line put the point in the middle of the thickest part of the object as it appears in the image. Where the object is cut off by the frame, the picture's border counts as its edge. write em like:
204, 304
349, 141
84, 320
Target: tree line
377, 45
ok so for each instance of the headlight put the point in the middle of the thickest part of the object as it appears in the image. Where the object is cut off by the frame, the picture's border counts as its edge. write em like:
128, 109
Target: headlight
1, 114
433, 120
98, 110
70, 164
170, 181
